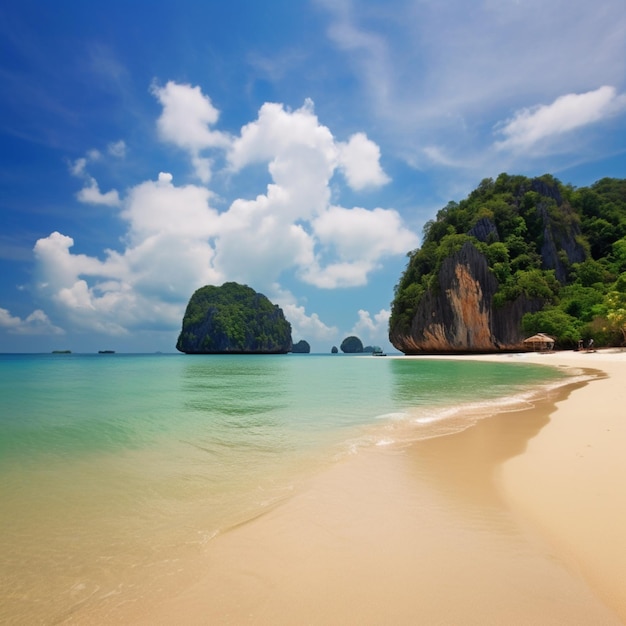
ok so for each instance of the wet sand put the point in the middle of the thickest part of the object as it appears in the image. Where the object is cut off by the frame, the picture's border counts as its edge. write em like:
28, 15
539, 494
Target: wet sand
518, 520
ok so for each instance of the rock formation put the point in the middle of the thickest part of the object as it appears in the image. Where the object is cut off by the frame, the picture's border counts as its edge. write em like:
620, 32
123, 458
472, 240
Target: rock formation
351, 345
301, 347
484, 264
233, 319
458, 315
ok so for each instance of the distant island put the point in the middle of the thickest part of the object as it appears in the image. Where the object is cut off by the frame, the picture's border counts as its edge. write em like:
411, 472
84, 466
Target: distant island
106, 351
301, 347
351, 345
233, 319
61, 352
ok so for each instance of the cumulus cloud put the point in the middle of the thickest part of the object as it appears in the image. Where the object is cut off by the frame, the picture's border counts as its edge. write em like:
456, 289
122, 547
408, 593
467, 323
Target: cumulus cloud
302, 324
168, 255
176, 240
91, 194
302, 157
310, 326
186, 122
37, 323
359, 239
372, 328
530, 126
359, 159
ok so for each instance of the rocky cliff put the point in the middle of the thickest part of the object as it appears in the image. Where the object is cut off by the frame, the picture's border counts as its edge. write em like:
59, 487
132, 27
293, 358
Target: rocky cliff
484, 264
458, 315
233, 319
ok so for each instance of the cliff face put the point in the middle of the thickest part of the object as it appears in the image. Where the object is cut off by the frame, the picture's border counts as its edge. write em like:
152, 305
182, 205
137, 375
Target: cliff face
458, 316
522, 232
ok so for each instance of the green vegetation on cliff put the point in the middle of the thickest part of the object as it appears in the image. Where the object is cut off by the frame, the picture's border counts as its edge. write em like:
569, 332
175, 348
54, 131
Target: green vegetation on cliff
233, 318
562, 246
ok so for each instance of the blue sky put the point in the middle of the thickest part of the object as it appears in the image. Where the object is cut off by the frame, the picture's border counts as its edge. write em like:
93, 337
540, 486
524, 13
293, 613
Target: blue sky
150, 148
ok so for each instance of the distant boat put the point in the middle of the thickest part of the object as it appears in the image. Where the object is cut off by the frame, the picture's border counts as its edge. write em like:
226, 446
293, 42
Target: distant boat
378, 351
106, 351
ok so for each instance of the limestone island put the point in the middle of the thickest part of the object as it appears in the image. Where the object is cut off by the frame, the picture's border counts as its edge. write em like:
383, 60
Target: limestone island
519, 257
301, 347
233, 319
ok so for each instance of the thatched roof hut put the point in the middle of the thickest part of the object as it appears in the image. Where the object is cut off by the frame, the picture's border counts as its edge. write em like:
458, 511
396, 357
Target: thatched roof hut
539, 342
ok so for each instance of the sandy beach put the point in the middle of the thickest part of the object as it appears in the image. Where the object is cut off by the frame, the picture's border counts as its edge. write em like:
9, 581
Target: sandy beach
568, 483
519, 519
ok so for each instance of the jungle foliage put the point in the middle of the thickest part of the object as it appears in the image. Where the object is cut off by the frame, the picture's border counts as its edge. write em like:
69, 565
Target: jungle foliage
506, 220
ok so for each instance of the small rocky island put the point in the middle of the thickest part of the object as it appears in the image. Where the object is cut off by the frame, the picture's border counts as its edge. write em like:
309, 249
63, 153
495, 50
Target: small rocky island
351, 345
233, 319
301, 347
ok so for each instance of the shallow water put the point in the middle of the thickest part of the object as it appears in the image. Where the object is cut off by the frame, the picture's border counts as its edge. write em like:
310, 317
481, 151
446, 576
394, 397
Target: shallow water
117, 468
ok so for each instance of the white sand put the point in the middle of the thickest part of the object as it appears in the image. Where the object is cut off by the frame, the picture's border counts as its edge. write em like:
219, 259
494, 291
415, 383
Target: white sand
570, 482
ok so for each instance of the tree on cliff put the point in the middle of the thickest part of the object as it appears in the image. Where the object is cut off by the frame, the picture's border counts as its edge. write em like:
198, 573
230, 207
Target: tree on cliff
521, 247
235, 319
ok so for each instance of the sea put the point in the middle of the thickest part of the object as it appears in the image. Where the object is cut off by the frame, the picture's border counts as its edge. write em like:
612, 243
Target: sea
117, 468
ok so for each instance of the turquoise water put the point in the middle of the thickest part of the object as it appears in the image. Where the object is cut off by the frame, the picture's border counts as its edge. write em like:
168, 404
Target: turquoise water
116, 468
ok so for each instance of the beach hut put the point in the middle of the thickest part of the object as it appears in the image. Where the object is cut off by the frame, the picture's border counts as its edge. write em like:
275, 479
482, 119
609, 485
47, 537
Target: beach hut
539, 342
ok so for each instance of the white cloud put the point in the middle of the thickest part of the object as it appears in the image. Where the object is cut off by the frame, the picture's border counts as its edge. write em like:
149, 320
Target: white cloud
359, 239
363, 234
185, 122
530, 126
339, 274
300, 152
37, 323
176, 241
446, 72
372, 328
303, 326
168, 255
303, 156
91, 194
360, 161
156, 208
309, 327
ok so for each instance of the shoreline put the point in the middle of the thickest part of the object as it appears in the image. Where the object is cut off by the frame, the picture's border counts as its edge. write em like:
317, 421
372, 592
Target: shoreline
568, 482
578, 459
481, 526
